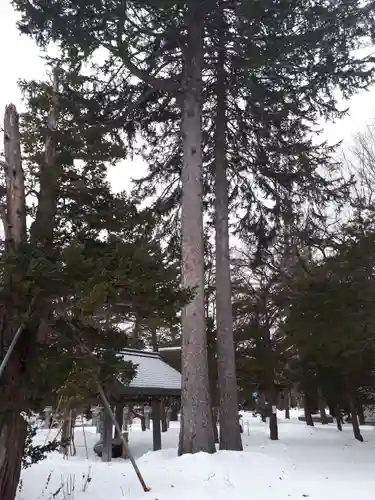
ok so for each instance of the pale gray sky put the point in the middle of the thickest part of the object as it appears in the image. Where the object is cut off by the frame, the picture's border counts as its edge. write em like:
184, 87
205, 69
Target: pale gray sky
20, 58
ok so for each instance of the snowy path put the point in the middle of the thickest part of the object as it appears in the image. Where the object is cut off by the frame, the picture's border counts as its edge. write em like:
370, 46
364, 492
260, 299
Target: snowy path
318, 463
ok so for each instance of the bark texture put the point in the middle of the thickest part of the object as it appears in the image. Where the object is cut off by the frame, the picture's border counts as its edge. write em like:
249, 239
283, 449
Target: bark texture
272, 399
287, 403
263, 406
42, 228
230, 436
196, 434
12, 425
12, 444
338, 417
212, 375
163, 417
13, 214
307, 409
14, 177
355, 422
156, 429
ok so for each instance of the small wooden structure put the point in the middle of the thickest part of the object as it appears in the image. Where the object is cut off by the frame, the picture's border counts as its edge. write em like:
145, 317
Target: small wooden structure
155, 385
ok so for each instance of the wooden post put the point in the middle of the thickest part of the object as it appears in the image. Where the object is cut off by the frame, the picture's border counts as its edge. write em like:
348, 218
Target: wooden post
107, 437
163, 417
147, 413
119, 417
156, 428
130, 414
125, 418
124, 442
96, 415
100, 425
143, 419
287, 403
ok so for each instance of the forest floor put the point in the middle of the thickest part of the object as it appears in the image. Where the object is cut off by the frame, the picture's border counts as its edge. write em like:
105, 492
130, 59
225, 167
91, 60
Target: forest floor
318, 463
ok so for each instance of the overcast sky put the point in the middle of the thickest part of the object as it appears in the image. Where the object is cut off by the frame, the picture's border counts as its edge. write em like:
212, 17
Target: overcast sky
19, 58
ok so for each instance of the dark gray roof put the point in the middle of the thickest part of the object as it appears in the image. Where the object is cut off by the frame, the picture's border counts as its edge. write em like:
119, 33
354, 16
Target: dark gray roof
153, 376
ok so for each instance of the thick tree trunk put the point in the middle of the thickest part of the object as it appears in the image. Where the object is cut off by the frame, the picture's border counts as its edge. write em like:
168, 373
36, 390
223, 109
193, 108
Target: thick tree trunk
156, 428
12, 425
12, 444
361, 413
41, 231
355, 423
212, 375
230, 436
119, 414
307, 409
196, 433
65, 433
337, 415
272, 400
107, 437
214, 423
14, 218
263, 406
287, 403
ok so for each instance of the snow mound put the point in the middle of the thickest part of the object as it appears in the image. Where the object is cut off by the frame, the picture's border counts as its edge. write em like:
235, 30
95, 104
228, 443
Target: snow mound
319, 464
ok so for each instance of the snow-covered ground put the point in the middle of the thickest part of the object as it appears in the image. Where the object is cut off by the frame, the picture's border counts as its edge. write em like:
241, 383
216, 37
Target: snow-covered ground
318, 463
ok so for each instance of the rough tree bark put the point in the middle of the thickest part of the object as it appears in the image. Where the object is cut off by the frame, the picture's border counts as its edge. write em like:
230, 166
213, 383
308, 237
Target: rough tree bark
263, 406
41, 231
212, 375
163, 417
354, 415
287, 403
230, 436
196, 434
322, 408
307, 409
13, 214
272, 399
361, 412
337, 412
12, 425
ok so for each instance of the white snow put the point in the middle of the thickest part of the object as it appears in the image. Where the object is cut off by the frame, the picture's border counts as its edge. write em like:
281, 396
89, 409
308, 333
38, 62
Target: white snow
319, 463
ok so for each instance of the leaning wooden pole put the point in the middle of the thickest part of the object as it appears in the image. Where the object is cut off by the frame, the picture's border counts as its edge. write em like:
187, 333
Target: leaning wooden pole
10, 349
123, 440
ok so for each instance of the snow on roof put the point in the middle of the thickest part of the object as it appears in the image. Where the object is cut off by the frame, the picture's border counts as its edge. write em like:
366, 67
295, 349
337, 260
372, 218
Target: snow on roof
171, 348
152, 372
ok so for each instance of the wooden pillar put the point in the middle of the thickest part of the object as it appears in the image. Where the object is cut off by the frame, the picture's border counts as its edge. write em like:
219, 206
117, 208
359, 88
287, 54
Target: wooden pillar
287, 403
163, 416
147, 410
156, 428
107, 438
96, 412
119, 414
174, 412
143, 419
130, 413
100, 424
